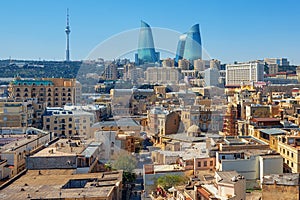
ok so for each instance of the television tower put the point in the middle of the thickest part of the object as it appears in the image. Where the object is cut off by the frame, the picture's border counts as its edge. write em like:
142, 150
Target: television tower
68, 31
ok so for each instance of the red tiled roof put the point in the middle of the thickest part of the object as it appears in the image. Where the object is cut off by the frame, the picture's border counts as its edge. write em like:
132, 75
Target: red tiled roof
204, 192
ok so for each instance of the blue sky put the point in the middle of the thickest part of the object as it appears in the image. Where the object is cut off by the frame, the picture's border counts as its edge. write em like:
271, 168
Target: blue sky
231, 30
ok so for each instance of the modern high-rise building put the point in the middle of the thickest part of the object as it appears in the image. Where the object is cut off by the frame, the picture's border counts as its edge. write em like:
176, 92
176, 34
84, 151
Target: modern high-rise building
146, 51
244, 73
189, 46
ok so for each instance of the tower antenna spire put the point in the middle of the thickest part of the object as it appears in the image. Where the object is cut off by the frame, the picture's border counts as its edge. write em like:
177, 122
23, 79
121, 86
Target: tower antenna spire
68, 31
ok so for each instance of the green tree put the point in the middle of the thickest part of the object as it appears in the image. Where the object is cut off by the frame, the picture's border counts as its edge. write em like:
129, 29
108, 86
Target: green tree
170, 180
124, 161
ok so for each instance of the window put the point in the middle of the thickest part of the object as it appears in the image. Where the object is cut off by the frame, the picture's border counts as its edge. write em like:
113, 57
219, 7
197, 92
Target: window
205, 163
292, 164
199, 164
70, 119
48, 120
283, 151
70, 132
70, 125
288, 153
211, 163
48, 127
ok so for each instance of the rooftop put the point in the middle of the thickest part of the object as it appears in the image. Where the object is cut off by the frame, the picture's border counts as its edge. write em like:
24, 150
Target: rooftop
227, 176
32, 82
265, 119
11, 142
282, 179
184, 137
63, 147
123, 122
188, 151
167, 168
50, 184
273, 131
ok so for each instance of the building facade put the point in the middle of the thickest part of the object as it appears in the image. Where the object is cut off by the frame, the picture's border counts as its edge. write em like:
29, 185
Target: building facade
244, 73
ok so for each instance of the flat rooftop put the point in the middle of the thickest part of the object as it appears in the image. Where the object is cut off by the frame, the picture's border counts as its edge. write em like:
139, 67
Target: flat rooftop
11, 142
291, 179
250, 152
226, 176
167, 168
185, 138
50, 184
63, 147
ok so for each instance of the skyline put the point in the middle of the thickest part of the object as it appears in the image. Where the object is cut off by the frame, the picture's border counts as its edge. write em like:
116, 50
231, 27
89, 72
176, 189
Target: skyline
252, 29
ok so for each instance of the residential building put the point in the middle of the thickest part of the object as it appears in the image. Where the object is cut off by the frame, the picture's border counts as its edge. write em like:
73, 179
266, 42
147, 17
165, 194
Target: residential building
59, 121
83, 123
15, 148
16, 114
288, 147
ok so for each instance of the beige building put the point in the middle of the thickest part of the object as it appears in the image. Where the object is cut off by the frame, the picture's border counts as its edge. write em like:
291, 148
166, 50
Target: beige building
16, 147
169, 62
16, 114
162, 122
46, 92
162, 75
288, 147
83, 123
59, 121
65, 184
229, 185
281, 186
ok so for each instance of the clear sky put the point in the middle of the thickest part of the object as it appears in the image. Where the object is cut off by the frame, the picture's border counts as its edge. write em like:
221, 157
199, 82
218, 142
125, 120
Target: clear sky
231, 30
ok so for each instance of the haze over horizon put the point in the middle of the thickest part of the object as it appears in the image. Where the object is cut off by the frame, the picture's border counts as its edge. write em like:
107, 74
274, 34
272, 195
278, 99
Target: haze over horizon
231, 31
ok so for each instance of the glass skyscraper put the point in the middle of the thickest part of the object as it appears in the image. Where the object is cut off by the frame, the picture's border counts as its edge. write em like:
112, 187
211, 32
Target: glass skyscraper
146, 51
189, 46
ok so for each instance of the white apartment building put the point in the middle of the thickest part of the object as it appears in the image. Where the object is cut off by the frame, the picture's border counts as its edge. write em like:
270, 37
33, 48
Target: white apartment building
244, 73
